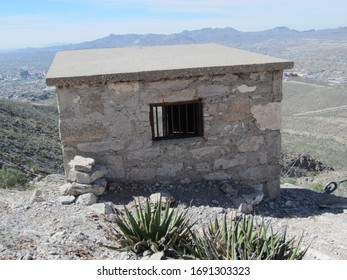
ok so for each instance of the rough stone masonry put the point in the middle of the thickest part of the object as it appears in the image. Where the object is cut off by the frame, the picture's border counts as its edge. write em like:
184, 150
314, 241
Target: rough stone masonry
104, 98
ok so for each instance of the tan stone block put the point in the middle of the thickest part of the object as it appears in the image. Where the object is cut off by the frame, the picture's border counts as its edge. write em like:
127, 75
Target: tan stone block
238, 109
101, 146
201, 152
78, 131
91, 102
176, 96
217, 176
245, 89
203, 166
174, 85
124, 87
260, 77
250, 144
114, 165
169, 169
210, 90
228, 163
228, 78
142, 174
268, 116
144, 154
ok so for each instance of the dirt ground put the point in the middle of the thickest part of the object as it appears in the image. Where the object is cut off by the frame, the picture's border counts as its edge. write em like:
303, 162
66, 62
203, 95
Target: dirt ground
45, 229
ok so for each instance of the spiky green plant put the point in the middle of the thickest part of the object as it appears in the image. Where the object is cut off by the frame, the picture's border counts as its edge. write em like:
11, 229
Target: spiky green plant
10, 178
157, 227
243, 239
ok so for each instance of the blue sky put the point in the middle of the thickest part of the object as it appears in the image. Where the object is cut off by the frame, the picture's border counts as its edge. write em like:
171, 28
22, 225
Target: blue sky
36, 23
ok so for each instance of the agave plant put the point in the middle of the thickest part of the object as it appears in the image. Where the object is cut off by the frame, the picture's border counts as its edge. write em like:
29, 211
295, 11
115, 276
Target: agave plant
157, 227
243, 239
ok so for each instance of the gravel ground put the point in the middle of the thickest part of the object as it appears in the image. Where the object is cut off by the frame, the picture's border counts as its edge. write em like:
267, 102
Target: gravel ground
40, 227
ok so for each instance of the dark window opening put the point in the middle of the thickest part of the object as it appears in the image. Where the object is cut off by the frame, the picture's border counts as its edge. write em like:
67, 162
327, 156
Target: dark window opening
176, 120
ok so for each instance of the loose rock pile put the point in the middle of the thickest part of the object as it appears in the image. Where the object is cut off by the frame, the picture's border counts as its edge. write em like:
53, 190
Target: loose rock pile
85, 182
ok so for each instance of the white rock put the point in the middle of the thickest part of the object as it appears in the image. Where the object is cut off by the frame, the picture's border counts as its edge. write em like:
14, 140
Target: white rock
86, 199
66, 199
101, 208
157, 256
80, 163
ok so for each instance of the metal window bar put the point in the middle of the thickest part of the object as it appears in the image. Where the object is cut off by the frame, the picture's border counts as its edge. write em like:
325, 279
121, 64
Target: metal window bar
176, 120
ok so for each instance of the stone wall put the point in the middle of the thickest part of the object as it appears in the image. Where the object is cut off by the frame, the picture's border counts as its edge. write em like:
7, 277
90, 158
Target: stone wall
241, 142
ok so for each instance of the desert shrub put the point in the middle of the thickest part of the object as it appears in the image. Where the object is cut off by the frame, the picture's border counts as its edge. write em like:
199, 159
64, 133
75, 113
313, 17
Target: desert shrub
10, 178
152, 226
292, 181
243, 239
317, 187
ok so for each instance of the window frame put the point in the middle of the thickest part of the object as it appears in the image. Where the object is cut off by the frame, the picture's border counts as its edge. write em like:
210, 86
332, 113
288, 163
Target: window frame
168, 129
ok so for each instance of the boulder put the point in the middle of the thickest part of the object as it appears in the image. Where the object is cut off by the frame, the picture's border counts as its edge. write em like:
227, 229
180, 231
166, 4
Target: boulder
86, 199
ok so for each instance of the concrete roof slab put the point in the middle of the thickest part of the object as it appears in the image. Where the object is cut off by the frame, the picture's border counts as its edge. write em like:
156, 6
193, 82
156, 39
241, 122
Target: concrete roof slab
158, 62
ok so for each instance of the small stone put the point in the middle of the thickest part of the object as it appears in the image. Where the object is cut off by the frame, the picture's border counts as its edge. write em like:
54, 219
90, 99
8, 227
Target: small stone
157, 256
66, 199
228, 189
255, 197
37, 193
165, 197
28, 257
218, 210
102, 208
289, 203
214, 201
245, 208
36, 197
86, 199
147, 253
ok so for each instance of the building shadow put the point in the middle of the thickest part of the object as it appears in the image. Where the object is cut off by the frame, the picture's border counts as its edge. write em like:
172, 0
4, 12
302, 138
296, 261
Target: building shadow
294, 202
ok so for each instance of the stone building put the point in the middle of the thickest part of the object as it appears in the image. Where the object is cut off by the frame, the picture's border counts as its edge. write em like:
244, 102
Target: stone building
172, 113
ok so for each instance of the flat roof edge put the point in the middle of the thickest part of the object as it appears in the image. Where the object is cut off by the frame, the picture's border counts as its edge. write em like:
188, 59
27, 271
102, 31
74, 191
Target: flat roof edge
168, 74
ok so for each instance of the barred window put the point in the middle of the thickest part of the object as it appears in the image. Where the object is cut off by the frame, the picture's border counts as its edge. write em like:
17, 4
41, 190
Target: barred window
176, 120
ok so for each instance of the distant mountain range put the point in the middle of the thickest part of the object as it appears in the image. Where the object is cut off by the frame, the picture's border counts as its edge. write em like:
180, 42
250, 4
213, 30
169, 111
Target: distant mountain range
227, 36
275, 42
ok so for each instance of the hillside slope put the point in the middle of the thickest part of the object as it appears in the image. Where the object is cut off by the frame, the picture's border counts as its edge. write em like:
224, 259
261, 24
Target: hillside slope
29, 137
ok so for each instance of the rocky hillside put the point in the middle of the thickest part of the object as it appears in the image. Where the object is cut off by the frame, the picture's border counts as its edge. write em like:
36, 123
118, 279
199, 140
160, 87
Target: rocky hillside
29, 137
